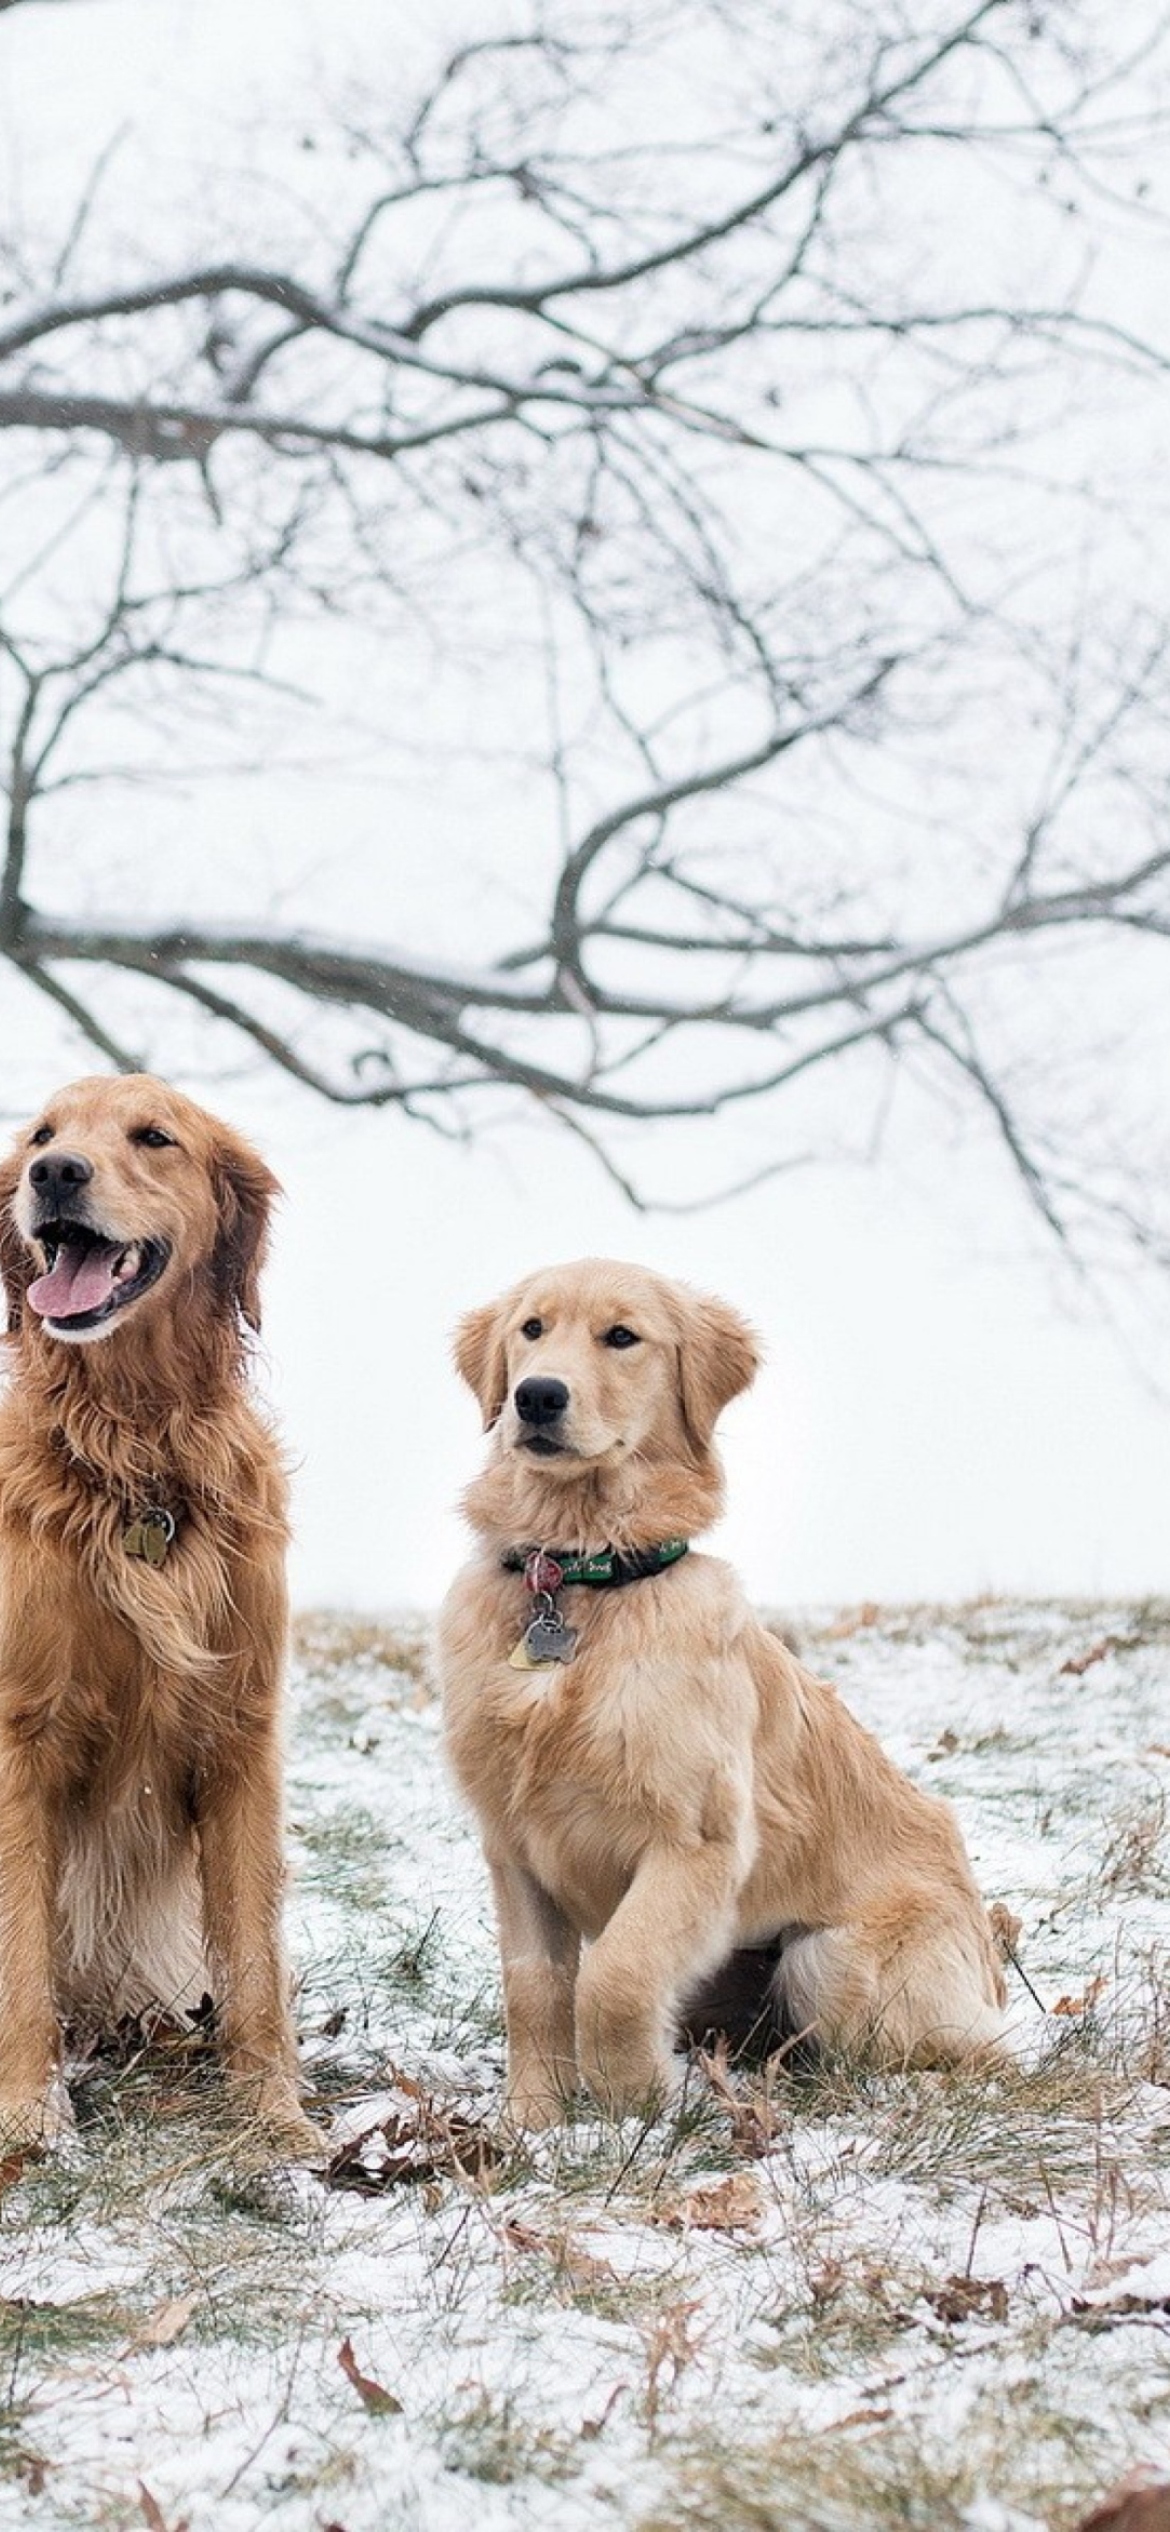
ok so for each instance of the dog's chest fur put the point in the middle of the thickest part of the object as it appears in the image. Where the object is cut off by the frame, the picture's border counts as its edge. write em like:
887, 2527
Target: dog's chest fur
574, 1768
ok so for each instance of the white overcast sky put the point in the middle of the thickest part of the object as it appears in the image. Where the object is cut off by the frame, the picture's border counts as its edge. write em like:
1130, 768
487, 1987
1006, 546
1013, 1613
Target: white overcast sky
942, 1412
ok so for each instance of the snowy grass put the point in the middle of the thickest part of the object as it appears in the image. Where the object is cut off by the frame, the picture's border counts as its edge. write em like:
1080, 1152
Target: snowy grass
802, 2301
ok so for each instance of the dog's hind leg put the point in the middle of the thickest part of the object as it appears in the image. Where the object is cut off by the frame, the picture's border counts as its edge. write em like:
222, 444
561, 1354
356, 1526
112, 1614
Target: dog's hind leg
896, 1987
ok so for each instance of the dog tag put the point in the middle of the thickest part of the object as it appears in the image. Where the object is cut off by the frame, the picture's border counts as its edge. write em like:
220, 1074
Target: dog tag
150, 1536
548, 1639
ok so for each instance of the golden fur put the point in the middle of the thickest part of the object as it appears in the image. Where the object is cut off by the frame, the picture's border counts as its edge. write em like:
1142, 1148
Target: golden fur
683, 1787
140, 1760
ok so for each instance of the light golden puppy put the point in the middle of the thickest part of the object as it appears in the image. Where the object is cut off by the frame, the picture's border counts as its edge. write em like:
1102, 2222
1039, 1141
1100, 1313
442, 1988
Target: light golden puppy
654, 1774
142, 1600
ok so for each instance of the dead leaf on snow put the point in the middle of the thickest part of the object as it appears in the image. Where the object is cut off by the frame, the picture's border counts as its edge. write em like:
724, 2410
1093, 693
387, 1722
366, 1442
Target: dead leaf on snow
970, 2299
154, 2513
1078, 1663
373, 2396
418, 2142
1072, 2005
753, 2114
583, 2267
1100, 2311
732, 2205
671, 2343
164, 2325
856, 2417
1139, 2503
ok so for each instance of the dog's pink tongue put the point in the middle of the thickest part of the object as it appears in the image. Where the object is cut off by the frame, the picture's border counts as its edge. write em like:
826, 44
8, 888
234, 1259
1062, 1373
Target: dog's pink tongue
82, 1279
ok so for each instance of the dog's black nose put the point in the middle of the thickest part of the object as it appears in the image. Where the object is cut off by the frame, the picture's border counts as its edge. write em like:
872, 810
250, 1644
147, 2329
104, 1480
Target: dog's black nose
58, 1174
541, 1401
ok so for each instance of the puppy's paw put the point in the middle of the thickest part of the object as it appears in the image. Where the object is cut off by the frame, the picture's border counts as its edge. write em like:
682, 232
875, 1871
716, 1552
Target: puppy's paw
281, 2130
623, 2047
625, 2077
534, 2105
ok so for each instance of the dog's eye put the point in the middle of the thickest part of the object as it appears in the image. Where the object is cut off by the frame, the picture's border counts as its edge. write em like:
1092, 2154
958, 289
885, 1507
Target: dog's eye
620, 1337
532, 1328
153, 1137
44, 1134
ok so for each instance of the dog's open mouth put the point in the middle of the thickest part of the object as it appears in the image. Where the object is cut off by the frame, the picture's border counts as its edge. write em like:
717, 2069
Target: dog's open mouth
89, 1277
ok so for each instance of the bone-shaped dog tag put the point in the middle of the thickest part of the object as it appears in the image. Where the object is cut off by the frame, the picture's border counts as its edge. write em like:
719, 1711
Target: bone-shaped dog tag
548, 1639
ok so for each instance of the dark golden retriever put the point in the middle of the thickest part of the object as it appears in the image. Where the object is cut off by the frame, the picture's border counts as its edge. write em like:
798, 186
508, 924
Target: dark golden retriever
142, 1600
656, 1777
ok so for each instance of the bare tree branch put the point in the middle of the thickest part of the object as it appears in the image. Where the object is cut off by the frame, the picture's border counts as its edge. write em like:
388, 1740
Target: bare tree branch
779, 507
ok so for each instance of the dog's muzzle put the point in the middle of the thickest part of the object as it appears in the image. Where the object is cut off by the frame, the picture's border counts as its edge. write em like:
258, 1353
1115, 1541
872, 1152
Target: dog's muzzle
540, 1405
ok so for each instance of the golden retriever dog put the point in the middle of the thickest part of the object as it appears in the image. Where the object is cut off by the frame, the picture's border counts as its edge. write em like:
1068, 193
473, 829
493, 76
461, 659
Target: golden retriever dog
655, 1776
142, 1601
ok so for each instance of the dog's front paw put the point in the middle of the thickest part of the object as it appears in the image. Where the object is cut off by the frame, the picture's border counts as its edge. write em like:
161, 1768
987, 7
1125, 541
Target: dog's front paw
280, 2124
534, 2103
32, 2125
622, 2058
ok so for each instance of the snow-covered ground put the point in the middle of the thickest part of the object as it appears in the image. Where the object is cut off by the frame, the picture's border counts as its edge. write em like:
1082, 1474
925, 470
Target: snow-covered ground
826, 2302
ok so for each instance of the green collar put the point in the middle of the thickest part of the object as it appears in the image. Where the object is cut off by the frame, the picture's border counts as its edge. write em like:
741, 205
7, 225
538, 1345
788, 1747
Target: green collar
550, 1569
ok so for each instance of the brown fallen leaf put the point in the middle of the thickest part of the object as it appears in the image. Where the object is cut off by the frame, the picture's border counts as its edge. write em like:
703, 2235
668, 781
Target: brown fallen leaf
420, 2142
522, 2237
581, 2266
1100, 2311
856, 2417
1072, 2005
165, 2324
733, 2205
752, 2112
671, 2343
1078, 1663
154, 2513
970, 2299
373, 2396
945, 1745
1139, 2503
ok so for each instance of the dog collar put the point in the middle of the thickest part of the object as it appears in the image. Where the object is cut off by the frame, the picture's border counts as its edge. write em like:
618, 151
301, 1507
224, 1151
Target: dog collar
550, 1569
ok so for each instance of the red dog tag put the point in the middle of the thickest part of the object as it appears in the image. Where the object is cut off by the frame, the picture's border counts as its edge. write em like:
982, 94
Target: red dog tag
542, 1573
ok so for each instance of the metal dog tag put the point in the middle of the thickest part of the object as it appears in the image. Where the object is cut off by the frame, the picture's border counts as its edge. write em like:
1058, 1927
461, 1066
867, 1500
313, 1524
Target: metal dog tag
548, 1639
150, 1536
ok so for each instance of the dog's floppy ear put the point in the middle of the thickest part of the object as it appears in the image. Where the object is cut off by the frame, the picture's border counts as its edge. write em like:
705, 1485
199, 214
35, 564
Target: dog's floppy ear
244, 1193
16, 1265
481, 1355
717, 1357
